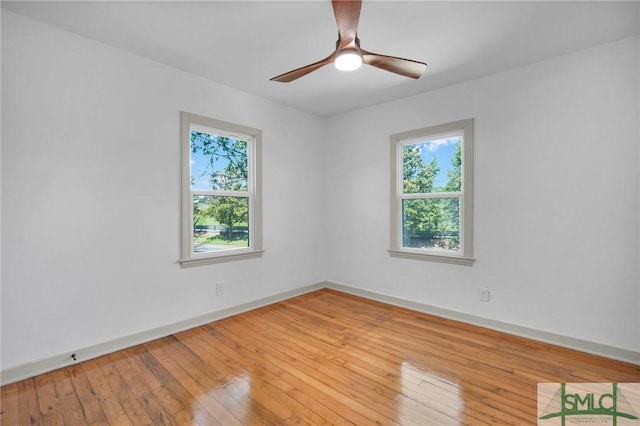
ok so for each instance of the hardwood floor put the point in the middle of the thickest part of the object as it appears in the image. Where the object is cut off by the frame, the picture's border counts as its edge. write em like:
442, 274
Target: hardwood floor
322, 358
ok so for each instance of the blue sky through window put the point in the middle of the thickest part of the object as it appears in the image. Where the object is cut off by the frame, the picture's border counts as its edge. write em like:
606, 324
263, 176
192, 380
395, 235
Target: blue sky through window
443, 149
201, 169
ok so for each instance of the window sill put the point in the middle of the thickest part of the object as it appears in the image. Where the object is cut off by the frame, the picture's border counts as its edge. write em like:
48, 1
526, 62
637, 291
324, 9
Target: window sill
188, 263
465, 261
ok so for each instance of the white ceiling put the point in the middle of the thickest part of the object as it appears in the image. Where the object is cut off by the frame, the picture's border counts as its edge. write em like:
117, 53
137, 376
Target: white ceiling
242, 44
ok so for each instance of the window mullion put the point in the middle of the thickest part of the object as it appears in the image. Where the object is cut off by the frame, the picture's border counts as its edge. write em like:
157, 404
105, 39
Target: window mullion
219, 193
421, 195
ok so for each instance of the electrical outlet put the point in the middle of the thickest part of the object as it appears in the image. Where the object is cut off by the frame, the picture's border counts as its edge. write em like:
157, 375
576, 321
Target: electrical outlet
219, 289
484, 294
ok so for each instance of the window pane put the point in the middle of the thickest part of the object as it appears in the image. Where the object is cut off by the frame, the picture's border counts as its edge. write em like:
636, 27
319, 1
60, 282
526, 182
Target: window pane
431, 223
220, 223
218, 162
432, 166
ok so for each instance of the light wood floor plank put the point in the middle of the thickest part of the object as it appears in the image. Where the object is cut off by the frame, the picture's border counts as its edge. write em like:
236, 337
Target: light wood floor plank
309, 371
91, 407
68, 401
107, 398
28, 402
324, 358
203, 384
9, 406
49, 408
131, 405
293, 378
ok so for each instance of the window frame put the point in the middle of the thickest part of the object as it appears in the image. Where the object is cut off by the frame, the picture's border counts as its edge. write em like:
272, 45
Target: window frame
254, 191
397, 141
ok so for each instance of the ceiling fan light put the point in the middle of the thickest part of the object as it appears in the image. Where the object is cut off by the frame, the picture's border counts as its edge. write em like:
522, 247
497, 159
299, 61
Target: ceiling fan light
348, 60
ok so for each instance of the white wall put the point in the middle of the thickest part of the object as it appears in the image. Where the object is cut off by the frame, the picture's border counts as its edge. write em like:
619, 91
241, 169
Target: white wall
556, 197
638, 202
91, 193
0, 209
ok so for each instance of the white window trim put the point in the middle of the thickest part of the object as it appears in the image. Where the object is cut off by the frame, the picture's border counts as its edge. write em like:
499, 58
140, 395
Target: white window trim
254, 157
465, 257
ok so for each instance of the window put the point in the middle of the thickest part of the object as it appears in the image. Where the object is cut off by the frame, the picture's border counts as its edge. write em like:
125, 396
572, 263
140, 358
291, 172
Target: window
221, 205
431, 194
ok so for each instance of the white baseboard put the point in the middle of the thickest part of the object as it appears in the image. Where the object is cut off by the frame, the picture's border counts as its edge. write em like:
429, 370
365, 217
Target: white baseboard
581, 345
34, 368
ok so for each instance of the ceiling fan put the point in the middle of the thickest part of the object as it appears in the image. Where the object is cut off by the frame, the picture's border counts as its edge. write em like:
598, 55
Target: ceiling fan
349, 55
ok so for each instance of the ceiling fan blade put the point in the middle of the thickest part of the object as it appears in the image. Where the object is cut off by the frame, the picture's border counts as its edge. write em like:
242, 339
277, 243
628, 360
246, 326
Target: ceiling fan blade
347, 14
302, 71
406, 67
